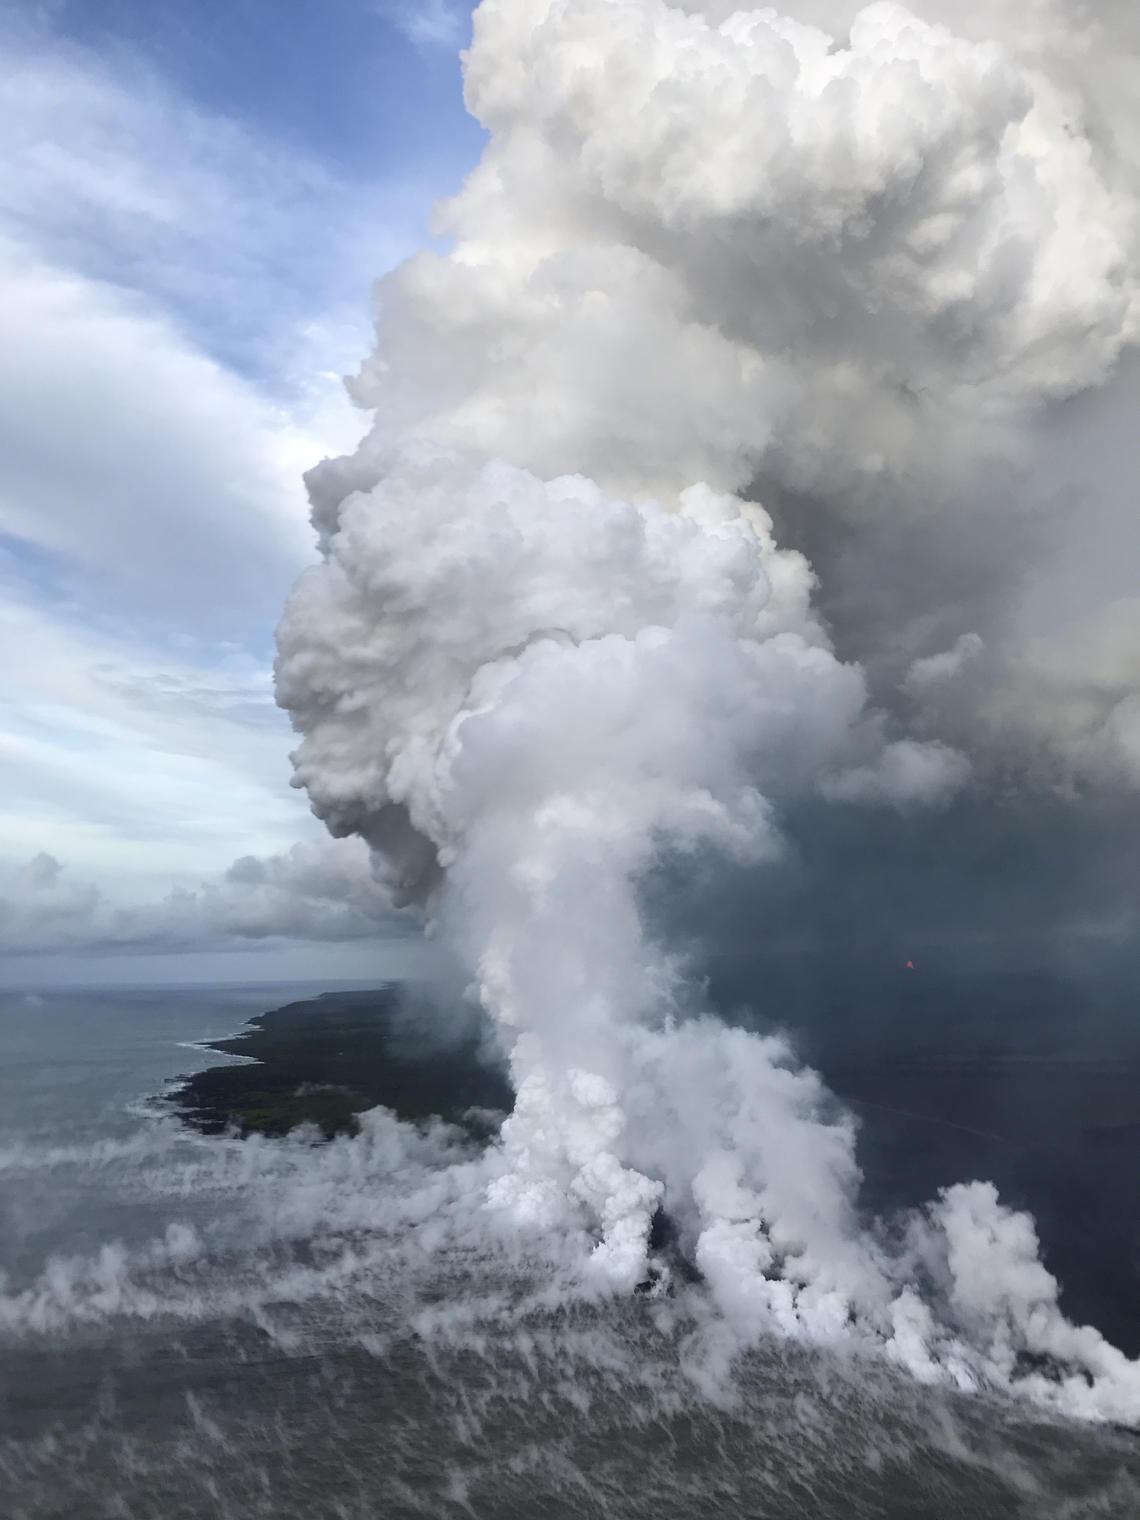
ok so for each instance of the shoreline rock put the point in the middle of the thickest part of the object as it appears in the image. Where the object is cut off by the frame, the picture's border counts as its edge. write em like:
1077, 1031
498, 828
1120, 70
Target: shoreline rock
324, 1060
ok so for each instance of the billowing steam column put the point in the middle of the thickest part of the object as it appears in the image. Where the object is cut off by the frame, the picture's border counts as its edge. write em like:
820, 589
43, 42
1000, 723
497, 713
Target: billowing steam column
551, 639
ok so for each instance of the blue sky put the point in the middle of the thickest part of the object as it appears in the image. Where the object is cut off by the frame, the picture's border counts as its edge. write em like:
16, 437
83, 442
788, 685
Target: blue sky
196, 197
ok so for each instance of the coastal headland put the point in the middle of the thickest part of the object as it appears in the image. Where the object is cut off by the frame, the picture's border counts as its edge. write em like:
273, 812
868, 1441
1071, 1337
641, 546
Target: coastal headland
324, 1060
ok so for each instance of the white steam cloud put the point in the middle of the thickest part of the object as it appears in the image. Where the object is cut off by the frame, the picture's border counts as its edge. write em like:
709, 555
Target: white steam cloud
552, 640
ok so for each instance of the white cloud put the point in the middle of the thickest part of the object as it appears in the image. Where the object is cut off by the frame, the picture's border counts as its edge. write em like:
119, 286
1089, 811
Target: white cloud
139, 459
112, 172
429, 23
152, 512
323, 891
150, 764
181, 296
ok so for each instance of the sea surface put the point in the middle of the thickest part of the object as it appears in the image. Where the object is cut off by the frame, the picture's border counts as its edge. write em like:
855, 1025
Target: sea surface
201, 1326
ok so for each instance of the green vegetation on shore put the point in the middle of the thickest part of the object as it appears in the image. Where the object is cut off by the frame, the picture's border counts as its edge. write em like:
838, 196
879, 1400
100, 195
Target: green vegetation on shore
324, 1061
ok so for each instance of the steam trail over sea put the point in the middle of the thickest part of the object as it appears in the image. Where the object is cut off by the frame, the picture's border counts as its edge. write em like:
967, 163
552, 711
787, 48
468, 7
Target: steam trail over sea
556, 648
280, 1328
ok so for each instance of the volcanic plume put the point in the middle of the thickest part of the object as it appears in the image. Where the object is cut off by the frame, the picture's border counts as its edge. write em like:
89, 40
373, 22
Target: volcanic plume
719, 270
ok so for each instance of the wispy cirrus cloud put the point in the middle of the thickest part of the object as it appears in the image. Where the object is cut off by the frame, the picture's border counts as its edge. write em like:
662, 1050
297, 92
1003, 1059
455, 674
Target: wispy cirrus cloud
112, 172
152, 765
181, 293
444, 24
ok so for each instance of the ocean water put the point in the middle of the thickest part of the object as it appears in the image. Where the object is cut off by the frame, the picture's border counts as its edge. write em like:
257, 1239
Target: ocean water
199, 1326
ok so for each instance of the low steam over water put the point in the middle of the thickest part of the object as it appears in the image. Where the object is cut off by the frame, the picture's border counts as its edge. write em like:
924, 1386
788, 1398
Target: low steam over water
196, 1325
